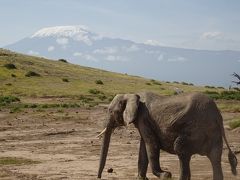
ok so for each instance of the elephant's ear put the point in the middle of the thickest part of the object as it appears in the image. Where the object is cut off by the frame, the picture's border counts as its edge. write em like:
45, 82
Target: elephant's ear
130, 112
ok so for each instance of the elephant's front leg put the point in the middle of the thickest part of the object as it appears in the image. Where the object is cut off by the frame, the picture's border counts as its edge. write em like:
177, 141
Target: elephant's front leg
152, 146
142, 161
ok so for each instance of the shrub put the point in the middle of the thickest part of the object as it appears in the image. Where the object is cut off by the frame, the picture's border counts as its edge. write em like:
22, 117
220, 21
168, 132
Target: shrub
33, 106
63, 60
32, 73
13, 75
176, 82
210, 87
236, 88
65, 80
220, 87
184, 83
85, 99
94, 91
5, 100
148, 83
99, 82
227, 95
102, 97
234, 123
10, 66
155, 82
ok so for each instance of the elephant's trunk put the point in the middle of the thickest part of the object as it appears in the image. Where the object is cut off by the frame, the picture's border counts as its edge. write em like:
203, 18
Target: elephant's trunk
104, 151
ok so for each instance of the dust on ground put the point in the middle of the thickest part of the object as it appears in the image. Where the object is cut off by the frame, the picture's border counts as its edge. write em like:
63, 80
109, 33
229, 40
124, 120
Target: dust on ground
64, 143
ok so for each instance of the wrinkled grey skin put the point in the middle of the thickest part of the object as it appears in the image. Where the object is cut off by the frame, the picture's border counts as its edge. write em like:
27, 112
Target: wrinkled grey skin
184, 125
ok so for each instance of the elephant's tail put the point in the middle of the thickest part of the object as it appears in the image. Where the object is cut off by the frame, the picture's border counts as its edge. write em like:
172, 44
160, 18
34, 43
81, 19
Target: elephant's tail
231, 156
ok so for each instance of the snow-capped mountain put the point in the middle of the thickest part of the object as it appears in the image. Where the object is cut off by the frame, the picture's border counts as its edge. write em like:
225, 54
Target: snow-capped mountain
79, 45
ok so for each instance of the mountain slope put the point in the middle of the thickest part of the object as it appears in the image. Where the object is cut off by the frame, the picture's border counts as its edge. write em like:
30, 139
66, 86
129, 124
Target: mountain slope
63, 79
81, 46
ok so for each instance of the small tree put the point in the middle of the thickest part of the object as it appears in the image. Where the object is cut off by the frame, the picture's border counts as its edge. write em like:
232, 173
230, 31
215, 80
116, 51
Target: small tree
238, 77
63, 60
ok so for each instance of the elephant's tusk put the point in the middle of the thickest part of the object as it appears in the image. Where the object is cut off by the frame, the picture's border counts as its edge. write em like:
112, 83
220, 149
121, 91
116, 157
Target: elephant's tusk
103, 131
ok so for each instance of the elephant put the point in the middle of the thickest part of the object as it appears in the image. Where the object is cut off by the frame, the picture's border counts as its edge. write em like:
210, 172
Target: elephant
184, 125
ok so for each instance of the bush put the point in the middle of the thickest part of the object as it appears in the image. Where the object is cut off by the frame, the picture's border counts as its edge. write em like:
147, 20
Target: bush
32, 73
234, 123
5, 100
33, 106
102, 97
99, 82
236, 89
184, 83
85, 99
210, 87
155, 82
94, 91
148, 83
65, 80
10, 66
227, 95
13, 75
63, 60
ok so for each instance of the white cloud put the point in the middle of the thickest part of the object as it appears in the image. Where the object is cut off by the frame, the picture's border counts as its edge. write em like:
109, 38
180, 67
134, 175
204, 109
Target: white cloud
77, 54
152, 42
84, 38
85, 56
116, 58
212, 35
62, 41
106, 50
133, 48
51, 48
34, 53
177, 59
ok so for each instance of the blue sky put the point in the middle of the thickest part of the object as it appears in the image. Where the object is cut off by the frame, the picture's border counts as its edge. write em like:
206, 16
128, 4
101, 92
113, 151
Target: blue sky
198, 24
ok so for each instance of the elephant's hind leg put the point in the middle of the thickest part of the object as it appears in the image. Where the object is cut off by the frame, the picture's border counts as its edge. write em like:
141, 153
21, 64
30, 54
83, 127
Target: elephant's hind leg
182, 150
185, 173
215, 159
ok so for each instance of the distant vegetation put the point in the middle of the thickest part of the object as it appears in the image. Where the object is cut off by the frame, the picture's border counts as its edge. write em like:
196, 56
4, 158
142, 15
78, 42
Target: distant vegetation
16, 161
99, 82
63, 60
65, 80
10, 66
84, 89
32, 73
235, 123
227, 95
6, 100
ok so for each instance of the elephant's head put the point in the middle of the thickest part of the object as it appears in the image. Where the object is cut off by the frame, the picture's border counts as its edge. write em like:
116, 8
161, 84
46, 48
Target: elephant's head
121, 111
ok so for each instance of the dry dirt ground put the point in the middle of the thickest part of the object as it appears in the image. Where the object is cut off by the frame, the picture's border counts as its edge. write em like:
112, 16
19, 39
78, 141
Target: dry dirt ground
64, 145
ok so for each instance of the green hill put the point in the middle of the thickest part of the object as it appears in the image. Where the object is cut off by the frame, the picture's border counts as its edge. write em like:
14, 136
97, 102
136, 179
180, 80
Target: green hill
59, 78
26, 76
